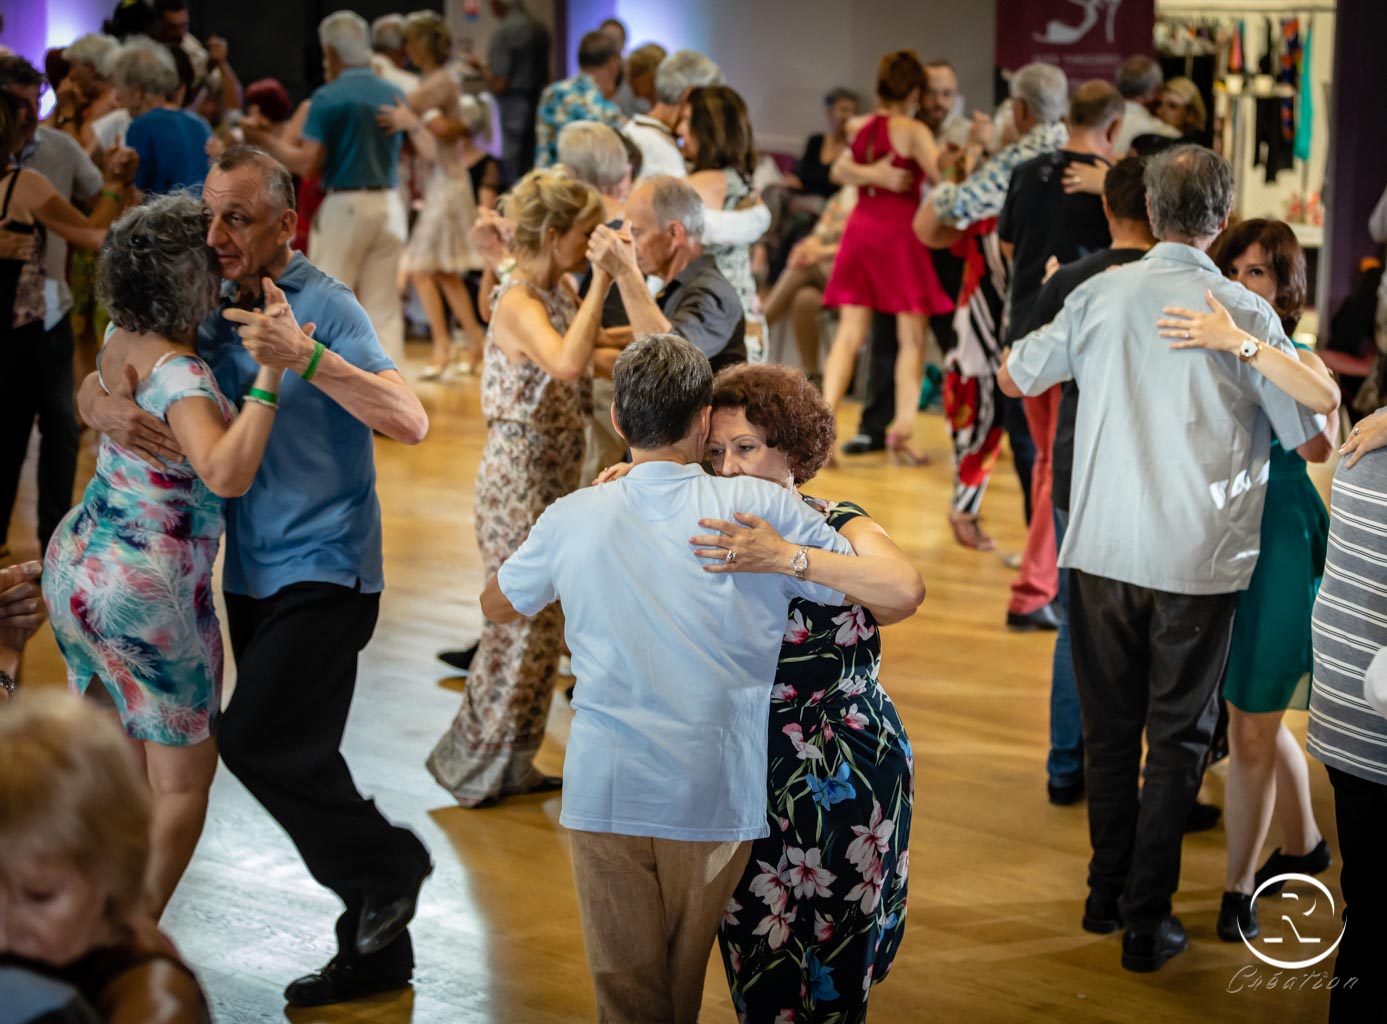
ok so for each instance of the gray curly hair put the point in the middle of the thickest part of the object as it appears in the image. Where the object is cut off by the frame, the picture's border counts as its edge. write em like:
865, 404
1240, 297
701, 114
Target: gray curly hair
156, 274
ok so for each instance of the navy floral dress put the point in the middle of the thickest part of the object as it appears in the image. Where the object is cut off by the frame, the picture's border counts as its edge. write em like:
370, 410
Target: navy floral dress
819, 914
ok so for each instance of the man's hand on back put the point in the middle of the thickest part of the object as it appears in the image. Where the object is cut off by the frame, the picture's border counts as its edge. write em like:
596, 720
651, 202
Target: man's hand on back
144, 435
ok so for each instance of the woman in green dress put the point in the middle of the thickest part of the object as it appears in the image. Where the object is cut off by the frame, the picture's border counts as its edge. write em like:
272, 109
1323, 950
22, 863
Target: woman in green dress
1270, 656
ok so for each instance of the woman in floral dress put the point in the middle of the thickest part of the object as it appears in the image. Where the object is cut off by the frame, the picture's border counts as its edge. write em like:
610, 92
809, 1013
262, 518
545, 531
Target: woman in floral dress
537, 398
820, 912
128, 574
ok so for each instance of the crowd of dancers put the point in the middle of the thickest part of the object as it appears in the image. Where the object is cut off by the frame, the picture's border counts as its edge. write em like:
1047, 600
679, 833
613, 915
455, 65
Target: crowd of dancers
1063, 272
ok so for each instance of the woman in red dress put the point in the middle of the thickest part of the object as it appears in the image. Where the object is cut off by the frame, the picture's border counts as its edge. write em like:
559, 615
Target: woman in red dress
881, 265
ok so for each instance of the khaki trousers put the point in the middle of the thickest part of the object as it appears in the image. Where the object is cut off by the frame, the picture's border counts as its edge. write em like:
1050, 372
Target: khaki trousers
650, 910
357, 237
604, 446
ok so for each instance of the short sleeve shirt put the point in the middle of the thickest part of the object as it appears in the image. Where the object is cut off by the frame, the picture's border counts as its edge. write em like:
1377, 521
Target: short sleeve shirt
1171, 448
1041, 221
172, 145
60, 159
563, 103
660, 153
1045, 309
312, 515
357, 152
702, 307
674, 665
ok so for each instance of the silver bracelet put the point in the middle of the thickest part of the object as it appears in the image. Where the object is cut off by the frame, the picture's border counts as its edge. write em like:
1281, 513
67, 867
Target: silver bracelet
7, 683
260, 401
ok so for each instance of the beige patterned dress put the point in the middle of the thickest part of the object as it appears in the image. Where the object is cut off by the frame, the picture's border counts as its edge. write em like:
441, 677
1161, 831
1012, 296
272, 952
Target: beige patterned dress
533, 453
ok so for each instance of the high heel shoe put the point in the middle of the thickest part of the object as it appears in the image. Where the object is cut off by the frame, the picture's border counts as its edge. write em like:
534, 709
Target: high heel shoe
435, 371
898, 444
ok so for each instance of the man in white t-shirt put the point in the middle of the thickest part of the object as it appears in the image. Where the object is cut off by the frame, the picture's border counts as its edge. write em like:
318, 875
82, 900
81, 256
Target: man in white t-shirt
653, 133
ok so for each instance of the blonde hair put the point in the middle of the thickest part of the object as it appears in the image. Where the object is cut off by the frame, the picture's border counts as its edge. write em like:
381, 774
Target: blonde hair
1196, 114
548, 198
69, 789
431, 30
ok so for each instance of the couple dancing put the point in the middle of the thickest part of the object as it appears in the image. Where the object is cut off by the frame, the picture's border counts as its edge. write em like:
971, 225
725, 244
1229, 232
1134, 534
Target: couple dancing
128, 575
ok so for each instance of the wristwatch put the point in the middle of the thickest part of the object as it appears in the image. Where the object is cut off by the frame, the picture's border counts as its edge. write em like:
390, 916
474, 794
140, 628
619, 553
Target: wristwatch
800, 563
1248, 350
7, 683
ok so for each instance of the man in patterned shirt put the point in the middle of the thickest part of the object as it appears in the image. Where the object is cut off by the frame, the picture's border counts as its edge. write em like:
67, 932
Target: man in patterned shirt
963, 215
585, 97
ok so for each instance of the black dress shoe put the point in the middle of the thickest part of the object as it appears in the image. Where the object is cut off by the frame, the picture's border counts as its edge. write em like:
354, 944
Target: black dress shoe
1279, 863
1101, 916
861, 444
340, 981
1202, 817
1237, 917
386, 913
1047, 617
461, 661
1151, 949
1067, 795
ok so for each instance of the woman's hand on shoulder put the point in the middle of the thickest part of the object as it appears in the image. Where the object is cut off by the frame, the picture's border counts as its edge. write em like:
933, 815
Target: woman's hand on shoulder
612, 473
1368, 435
1214, 330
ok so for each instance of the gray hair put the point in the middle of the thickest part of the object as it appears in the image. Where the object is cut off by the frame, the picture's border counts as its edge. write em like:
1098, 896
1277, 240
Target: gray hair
1190, 191
681, 71
476, 115
348, 36
145, 65
156, 273
593, 152
661, 384
1139, 76
278, 182
1044, 89
91, 48
388, 33
674, 199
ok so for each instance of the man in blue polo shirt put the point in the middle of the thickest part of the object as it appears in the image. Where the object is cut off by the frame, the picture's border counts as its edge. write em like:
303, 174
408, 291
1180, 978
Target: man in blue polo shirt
302, 576
359, 230
664, 778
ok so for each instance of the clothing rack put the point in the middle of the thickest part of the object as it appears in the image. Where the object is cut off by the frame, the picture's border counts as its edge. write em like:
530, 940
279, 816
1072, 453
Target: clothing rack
1212, 8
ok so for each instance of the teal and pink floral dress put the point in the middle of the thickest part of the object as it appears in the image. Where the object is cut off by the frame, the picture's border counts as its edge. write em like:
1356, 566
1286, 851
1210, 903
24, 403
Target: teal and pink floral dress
819, 914
128, 578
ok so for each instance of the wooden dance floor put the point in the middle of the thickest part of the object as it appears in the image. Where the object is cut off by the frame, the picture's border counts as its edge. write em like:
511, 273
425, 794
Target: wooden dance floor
997, 874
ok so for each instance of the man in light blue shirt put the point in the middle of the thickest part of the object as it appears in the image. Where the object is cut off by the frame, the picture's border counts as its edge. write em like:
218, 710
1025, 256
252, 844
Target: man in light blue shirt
1170, 468
302, 575
665, 773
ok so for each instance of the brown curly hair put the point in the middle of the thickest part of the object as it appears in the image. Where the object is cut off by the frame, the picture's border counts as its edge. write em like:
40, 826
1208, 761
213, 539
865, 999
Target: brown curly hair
780, 401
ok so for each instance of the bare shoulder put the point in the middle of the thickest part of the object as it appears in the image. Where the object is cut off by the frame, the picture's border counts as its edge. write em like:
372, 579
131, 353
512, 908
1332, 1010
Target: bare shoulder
711, 186
855, 125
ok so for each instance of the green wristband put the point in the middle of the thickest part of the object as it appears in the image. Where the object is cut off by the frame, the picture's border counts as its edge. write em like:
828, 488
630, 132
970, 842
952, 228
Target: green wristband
312, 367
112, 194
269, 397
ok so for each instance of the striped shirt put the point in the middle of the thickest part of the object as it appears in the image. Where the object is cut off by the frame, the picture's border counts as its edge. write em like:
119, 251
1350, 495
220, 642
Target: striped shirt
1350, 623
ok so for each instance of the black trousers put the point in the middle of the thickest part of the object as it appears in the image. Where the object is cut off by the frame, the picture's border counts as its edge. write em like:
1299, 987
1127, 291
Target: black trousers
1360, 810
281, 735
1144, 660
880, 407
36, 383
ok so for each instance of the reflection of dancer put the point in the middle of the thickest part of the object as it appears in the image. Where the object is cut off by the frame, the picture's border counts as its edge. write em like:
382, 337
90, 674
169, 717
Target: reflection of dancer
1060, 34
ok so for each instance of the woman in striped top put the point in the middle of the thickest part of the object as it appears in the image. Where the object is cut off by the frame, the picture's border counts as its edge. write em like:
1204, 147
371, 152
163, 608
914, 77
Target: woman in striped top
1350, 627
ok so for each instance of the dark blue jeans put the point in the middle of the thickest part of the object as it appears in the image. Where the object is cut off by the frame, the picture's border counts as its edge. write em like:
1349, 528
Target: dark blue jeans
1065, 764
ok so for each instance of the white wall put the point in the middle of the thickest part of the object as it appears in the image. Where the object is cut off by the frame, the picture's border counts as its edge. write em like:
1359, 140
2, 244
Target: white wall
783, 55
